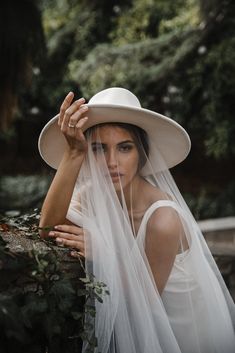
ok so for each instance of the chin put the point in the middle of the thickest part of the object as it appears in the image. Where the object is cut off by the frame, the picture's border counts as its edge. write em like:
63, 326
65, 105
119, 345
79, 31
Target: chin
121, 186
117, 186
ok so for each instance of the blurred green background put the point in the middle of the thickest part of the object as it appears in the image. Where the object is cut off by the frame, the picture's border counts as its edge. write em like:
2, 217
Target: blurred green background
178, 57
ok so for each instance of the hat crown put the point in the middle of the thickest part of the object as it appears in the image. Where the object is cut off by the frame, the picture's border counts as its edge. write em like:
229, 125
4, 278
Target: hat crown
115, 96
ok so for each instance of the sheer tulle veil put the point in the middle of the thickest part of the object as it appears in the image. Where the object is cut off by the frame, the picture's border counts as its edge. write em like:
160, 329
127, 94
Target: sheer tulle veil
195, 312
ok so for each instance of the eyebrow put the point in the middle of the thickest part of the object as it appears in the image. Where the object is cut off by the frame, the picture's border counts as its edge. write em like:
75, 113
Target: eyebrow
120, 143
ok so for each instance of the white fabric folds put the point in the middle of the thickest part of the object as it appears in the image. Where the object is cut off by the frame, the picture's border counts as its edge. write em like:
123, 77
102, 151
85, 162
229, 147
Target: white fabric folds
195, 312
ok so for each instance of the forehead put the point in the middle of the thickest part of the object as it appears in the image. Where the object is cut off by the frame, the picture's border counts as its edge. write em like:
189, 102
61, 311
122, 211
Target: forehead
107, 133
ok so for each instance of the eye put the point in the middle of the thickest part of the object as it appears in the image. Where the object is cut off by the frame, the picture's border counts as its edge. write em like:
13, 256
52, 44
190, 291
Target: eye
125, 148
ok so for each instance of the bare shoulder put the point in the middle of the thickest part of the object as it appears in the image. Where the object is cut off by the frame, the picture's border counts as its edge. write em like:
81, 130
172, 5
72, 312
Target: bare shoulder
164, 222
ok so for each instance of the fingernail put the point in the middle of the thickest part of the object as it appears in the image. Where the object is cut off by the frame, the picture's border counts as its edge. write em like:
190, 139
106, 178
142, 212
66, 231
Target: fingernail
84, 108
57, 227
51, 233
58, 240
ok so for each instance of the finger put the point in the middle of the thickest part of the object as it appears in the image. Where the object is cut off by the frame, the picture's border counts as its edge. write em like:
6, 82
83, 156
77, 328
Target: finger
66, 103
77, 115
67, 236
77, 105
70, 111
71, 243
77, 254
80, 124
66, 228
79, 134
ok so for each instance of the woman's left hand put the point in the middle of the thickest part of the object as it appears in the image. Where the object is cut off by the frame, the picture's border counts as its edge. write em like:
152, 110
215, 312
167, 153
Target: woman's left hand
70, 236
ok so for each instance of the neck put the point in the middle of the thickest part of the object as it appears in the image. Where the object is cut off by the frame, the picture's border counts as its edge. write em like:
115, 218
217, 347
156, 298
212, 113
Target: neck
131, 192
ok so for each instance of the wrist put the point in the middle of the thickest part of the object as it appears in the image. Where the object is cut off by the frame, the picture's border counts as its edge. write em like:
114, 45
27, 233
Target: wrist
73, 155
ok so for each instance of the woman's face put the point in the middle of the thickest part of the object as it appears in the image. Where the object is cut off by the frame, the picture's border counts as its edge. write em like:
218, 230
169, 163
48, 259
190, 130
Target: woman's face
120, 152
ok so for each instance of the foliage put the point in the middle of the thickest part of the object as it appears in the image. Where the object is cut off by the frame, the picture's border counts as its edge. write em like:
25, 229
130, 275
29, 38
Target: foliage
42, 304
185, 77
23, 192
22, 44
209, 204
145, 19
177, 57
154, 60
180, 59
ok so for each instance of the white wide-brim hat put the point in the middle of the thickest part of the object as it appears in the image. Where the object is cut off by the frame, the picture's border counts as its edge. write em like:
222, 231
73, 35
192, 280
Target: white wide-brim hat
120, 105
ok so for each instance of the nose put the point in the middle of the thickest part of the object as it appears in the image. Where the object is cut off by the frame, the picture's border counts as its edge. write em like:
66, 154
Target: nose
111, 159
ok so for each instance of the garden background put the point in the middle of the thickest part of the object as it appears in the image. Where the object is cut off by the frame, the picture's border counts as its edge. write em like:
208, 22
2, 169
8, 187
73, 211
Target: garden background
177, 56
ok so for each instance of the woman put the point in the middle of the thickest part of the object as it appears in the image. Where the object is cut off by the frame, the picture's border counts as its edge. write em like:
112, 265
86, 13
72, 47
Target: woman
114, 201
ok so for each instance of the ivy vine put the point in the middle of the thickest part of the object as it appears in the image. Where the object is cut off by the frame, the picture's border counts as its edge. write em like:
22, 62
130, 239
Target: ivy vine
43, 303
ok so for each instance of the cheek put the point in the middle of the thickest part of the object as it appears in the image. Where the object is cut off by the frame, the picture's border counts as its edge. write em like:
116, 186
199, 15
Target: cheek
132, 164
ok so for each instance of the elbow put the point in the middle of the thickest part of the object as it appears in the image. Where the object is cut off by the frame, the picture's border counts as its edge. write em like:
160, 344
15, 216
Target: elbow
43, 229
42, 233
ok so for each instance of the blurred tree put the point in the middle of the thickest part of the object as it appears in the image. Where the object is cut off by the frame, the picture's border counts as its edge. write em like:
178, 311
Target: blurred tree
21, 47
142, 20
73, 28
178, 57
186, 72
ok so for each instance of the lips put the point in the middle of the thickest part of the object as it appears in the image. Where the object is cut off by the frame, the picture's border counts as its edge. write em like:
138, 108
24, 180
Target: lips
115, 175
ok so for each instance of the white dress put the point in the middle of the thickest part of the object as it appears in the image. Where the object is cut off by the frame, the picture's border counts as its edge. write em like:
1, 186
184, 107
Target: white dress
195, 324
183, 298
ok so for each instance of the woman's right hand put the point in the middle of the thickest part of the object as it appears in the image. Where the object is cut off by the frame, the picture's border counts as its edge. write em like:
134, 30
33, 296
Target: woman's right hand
70, 236
71, 121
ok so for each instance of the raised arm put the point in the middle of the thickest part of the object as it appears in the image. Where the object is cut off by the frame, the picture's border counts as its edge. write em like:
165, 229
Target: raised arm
71, 120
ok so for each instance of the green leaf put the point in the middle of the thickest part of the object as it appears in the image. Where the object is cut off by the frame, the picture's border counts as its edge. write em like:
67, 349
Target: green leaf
77, 315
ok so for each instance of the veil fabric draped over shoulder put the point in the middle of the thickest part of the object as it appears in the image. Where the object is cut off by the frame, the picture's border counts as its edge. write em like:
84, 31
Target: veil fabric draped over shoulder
195, 312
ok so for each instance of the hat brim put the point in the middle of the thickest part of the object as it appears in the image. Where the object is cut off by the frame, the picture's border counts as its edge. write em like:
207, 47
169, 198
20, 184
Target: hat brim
168, 137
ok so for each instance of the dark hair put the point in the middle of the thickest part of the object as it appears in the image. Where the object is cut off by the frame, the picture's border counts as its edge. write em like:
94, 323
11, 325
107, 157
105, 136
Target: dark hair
139, 135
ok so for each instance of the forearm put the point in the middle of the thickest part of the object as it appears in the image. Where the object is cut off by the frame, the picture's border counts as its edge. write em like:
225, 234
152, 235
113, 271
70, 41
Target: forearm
59, 195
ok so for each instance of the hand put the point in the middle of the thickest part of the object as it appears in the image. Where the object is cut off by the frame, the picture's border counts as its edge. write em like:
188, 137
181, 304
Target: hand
71, 121
70, 236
